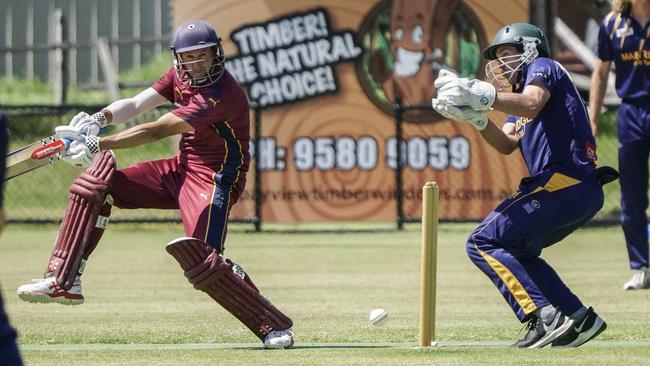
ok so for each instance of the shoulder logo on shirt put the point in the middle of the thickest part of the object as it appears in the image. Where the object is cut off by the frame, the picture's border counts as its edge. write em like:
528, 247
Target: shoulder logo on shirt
179, 91
591, 153
214, 102
624, 32
540, 74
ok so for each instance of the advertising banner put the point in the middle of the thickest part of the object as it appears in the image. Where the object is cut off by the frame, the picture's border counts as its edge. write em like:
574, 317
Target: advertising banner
326, 75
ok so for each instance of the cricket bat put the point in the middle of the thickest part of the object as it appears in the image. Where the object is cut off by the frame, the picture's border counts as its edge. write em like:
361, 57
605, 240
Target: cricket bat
33, 156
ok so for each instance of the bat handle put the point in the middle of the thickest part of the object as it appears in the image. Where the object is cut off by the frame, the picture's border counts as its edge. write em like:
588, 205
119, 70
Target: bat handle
67, 142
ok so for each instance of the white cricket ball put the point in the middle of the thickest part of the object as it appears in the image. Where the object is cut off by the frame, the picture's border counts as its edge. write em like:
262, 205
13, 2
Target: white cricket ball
378, 316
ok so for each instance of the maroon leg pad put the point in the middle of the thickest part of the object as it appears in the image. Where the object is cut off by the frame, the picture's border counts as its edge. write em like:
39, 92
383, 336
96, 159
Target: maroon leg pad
210, 273
87, 195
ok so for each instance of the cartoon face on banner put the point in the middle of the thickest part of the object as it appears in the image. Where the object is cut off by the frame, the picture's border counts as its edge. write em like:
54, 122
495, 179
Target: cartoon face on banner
324, 77
406, 43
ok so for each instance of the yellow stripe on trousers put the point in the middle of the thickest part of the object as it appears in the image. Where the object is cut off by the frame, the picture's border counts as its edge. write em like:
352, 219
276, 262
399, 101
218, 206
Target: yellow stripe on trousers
558, 181
512, 283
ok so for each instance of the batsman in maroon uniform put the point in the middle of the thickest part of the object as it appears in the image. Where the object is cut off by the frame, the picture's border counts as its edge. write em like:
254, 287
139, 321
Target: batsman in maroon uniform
203, 181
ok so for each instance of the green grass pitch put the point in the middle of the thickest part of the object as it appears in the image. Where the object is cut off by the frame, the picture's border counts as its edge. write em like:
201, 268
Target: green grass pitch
140, 310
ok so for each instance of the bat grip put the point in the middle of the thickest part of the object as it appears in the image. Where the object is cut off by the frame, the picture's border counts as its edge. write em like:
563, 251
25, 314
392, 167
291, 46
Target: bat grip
67, 143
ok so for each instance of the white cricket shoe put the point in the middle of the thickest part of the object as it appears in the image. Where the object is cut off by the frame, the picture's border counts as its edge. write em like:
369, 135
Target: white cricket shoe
279, 339
47, 290
639, 281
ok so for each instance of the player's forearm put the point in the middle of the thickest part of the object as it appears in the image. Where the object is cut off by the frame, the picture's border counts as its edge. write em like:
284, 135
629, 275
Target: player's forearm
134, 136
518, 104
498, 139
597, 90
123, 110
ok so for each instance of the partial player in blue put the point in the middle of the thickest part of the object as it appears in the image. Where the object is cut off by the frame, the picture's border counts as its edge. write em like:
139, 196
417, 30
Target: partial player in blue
548, 122
9, 355
623, 40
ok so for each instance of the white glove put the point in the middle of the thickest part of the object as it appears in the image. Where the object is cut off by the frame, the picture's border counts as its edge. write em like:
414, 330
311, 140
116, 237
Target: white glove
444, 76
88, 125
477, 94
81, 151
478, 119
67, 132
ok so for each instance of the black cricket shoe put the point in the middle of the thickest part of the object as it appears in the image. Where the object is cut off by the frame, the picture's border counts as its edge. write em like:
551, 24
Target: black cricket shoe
540, 334
533, 334
582, 331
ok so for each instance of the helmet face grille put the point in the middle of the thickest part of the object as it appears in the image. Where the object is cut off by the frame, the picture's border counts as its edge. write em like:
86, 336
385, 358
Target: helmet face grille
505, 71
209, 75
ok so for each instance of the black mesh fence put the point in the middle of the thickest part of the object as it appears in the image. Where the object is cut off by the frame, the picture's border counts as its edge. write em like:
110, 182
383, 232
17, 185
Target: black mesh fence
607, 155
42, 195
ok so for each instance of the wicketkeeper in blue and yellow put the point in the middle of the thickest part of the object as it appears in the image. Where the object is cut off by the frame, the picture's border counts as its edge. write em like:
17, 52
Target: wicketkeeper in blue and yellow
548, 122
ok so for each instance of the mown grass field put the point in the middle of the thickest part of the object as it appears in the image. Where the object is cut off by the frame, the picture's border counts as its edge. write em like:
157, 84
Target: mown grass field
140, 310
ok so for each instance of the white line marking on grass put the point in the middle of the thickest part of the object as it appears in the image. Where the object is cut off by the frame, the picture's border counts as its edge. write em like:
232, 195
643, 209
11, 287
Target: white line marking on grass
253, 346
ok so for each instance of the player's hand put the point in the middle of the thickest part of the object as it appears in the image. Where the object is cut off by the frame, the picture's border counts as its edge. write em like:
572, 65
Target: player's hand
451, 89
68, 133
478, 119
81, 151
444, 76
88, 125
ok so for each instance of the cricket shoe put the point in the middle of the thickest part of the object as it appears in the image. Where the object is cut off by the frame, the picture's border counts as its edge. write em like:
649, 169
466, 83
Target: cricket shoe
640, 280
278, 339
46, 290
540, 334
582, 330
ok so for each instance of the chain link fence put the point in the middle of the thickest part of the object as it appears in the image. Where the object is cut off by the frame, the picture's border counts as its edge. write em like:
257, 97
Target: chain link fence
607, 152
42, 195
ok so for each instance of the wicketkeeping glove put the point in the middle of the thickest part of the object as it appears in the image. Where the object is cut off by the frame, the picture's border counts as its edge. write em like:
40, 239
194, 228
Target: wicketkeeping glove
451, 89
478, 119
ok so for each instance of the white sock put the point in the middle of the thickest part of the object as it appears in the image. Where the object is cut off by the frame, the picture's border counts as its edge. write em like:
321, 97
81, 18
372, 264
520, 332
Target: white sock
547, 313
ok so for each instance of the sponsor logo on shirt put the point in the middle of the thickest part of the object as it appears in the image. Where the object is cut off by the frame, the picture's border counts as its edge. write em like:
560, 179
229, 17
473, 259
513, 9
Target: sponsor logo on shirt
214, 102
520, 127
623, 32
639, 57
531, 206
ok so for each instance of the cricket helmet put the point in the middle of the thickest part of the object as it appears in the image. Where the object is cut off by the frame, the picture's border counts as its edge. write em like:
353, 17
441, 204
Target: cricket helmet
191, 36
528, 39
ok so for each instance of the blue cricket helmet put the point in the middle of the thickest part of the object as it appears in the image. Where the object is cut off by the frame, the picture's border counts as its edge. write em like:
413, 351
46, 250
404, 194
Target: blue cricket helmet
194, 35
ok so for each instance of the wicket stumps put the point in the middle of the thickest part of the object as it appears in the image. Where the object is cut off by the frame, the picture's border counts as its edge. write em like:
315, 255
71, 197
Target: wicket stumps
428, 264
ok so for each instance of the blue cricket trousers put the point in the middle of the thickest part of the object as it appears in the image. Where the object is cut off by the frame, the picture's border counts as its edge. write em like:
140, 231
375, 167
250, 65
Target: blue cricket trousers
633, 127
9, 355
507, 244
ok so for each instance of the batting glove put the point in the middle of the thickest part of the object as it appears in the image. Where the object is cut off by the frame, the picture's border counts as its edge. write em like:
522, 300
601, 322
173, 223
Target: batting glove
478, 119
89, 125
81, 151
451, 89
